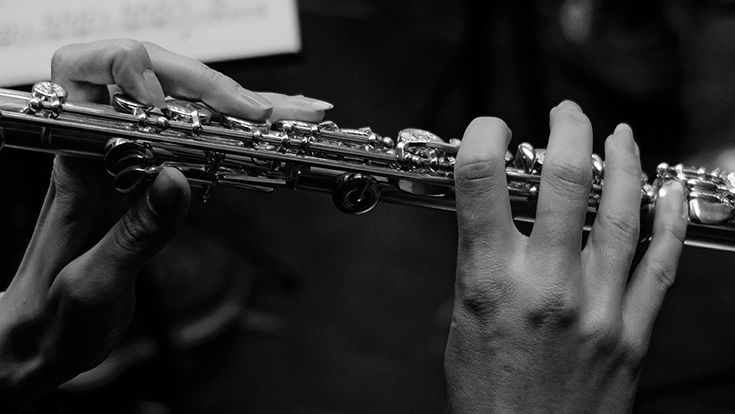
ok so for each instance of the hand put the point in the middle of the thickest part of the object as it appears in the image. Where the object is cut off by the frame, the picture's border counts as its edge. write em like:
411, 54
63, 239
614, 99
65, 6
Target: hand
541, 324
73, 295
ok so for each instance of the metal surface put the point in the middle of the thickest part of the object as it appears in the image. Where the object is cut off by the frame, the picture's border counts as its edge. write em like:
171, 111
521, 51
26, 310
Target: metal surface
357, 166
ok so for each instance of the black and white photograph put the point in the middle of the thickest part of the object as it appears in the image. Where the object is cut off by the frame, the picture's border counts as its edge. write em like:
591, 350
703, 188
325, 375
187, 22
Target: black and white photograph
367, 206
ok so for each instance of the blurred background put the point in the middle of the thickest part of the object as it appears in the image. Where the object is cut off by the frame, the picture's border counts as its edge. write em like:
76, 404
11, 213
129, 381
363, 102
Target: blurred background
279, 303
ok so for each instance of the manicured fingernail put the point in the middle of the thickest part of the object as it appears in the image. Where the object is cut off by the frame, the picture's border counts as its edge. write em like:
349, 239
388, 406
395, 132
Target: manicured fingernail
164, 195
569, 105
154, 89
321, 105
255, 100
671, 197
624, 134
315, 104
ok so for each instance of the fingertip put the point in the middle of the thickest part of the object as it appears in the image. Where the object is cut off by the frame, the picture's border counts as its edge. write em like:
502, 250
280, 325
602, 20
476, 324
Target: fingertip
672, 209
569, 117
314, 104
568, 105
483, 137
297, 107
153, 89
622, 139
169, 192
482, 127
623, 128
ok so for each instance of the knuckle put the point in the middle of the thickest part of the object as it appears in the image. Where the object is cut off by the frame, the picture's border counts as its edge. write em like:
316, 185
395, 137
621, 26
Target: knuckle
208, 75
675, 231
478, 178
482, 297
664, 274
605, 334
557, 309
568, 177
478, 169
74, 282
60, 59
480, 303
633, 352
148, 44
136, 230
628, 167
89, 286
130, 48
210, 79
125, 55
625, 227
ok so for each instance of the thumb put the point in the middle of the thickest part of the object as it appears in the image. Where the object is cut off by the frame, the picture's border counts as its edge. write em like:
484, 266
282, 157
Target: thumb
114, 262
94, 294
148, 225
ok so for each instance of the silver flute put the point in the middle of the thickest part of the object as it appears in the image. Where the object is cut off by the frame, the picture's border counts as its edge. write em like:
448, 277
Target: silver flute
357, 167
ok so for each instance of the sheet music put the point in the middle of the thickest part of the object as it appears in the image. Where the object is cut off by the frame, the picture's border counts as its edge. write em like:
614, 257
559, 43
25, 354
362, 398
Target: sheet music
208, 30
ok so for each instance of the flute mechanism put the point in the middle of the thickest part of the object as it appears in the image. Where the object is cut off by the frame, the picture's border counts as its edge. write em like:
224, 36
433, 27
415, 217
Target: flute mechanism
357, 167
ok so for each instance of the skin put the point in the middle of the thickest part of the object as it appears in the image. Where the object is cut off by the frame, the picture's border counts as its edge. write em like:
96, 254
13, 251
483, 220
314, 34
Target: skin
543, 323
538, 325
73, 295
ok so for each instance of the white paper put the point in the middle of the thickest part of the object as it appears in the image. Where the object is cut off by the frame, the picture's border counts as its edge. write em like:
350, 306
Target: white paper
207, 30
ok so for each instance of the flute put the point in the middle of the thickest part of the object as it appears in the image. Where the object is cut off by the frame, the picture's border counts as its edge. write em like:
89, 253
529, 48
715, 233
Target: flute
358, 167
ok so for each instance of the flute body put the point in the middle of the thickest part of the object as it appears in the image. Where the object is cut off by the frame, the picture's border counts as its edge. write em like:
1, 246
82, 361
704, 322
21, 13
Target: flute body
358, 167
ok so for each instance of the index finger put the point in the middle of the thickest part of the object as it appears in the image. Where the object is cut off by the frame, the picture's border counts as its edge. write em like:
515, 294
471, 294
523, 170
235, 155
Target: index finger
86, 69
483, 205
148, 72
189, 79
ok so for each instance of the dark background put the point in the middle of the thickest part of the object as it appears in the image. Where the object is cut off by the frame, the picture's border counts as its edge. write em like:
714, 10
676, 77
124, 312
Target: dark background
279, 303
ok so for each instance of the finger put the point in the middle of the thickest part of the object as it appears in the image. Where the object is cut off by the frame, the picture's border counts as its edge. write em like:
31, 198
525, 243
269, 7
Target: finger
566, 180
77, 185
93, 296
299, 108
76, 191
483, 206
86, 69
614, 237
185, 78
142, 231
657, 270
110, 267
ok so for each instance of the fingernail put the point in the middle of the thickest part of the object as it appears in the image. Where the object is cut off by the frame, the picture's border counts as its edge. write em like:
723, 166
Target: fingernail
569, 105
671, 197
255, 100
315, 104
321, 105
624, 134
154, 89
164, 194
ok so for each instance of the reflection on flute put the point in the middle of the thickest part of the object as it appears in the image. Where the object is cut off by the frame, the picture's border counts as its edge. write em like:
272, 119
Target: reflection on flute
357, 166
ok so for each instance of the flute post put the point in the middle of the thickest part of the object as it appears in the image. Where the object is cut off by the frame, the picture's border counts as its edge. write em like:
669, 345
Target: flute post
358, 167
